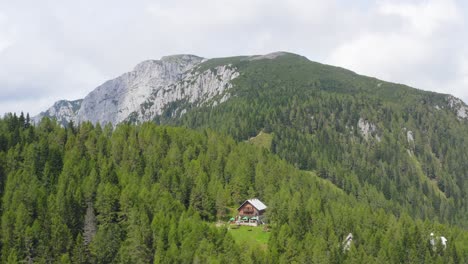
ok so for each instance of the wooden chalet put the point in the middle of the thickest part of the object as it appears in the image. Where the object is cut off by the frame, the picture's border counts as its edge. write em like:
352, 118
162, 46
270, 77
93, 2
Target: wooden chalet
251, 212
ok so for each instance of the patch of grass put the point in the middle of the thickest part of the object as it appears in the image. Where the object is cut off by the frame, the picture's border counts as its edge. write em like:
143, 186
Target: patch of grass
422, 176
324, 182
262, 140
251, 235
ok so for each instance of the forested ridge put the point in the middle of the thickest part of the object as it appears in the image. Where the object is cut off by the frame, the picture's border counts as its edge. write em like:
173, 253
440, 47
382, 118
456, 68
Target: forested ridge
388, 143
150, 194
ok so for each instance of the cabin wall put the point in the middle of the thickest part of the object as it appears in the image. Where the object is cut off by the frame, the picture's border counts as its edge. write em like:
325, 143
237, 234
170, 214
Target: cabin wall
248, 210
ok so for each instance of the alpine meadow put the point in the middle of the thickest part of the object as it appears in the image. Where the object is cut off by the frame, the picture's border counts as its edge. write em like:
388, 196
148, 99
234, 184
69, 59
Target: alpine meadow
156, 165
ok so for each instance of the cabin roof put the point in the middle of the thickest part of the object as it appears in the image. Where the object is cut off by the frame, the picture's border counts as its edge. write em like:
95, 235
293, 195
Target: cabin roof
256, 203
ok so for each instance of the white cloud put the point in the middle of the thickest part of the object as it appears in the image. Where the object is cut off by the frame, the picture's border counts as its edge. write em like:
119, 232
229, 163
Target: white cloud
4, 44
459, 85
381, 54
5, 40
464, 71
35, 105
210, 14
60, 49
424, 17
423, 48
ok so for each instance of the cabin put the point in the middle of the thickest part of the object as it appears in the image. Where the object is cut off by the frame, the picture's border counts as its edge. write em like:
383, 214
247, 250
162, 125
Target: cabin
251, 212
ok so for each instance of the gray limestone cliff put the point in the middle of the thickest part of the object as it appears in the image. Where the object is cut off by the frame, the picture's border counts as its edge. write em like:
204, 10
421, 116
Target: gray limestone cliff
64, 111
115, 100
143, 93
458, 106
193, 88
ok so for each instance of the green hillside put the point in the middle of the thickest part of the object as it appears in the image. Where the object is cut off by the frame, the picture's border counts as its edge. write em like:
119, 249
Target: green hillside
150, 194
352, 130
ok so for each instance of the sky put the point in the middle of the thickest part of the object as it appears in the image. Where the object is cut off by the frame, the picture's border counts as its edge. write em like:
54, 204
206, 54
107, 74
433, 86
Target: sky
61, 49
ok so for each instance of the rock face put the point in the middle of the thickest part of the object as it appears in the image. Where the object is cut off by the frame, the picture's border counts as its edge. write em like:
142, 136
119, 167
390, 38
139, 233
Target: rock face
193, 87
460, 108
367, 128
410, 136
64, 111
115, 100
145, 92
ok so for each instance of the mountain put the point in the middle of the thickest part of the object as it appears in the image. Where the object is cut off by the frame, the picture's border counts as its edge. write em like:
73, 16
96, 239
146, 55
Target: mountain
154, 87
365, 135
64, 111
333, 154
142, 94
394, 146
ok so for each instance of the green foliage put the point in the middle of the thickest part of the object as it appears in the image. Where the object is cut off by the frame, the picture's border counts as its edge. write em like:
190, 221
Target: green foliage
146, 194
313, 111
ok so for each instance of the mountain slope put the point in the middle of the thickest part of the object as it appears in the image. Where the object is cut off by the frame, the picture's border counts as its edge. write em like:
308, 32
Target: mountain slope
361, 133
150, 194
370, 137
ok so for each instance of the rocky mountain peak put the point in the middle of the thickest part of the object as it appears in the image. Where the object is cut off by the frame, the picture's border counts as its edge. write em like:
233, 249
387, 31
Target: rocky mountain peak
116, 99
147, 90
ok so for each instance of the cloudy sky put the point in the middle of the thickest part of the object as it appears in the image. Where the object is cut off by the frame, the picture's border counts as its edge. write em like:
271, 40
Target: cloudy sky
51, 50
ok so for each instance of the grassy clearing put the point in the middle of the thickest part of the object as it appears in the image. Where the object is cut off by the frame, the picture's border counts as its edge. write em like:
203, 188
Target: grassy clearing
262, 140
249, 235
